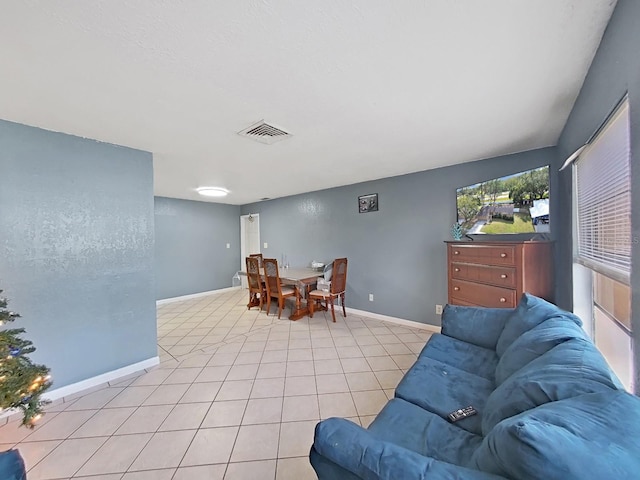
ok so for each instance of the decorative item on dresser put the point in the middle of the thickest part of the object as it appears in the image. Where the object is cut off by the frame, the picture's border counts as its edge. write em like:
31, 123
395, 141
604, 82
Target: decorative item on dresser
496, 274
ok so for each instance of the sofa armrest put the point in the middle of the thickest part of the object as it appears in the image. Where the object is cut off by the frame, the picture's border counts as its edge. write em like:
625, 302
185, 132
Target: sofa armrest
358, 451
477, 325
12, 466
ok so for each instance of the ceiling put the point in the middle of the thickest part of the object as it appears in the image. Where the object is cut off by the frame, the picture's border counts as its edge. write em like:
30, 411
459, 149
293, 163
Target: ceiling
367, 88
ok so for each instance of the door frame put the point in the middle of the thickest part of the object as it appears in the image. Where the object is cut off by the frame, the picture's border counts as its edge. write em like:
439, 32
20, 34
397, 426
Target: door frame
244, 221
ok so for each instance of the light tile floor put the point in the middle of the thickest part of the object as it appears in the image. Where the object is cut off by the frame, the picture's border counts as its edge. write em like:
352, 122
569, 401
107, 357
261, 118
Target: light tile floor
237, 396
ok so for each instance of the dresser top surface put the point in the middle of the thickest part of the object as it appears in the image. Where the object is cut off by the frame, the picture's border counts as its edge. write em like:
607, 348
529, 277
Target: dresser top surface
499, 242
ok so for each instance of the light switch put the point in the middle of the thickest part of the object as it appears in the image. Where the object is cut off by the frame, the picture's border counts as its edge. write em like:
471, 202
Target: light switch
228, 245
266, 245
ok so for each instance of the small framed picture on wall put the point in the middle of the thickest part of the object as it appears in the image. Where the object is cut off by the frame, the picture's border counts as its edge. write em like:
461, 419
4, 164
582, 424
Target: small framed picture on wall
368, 203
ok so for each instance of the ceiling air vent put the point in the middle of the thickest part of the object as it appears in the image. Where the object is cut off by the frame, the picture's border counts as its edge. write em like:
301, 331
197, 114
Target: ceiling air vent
264, 133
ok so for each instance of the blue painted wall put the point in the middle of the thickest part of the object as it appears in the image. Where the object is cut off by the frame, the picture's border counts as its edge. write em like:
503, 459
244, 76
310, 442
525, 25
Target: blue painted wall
76, 239
614, 71
77, 229
191, 253
396, 253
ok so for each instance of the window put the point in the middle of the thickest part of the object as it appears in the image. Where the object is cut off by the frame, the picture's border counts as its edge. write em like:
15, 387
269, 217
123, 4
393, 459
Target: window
602, 213
603, 192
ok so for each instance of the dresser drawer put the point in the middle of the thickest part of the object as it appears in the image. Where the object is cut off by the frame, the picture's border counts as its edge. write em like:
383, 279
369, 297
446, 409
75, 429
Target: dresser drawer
496, 274
500, 276
487, 255
481, 294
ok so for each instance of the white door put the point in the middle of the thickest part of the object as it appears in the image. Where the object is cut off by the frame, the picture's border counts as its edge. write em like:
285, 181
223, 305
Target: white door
249, 240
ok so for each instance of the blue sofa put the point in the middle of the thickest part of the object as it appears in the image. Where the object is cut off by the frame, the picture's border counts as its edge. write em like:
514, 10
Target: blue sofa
548, 407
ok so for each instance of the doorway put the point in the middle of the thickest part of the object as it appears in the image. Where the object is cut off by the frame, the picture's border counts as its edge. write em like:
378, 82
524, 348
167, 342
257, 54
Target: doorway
249, 240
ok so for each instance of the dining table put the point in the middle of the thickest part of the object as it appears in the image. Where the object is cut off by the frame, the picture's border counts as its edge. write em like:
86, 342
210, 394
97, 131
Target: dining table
301, 278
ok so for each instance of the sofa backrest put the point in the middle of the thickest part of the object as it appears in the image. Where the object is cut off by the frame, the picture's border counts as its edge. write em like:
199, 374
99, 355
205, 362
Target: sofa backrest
588, 437
530, 312
567, 370
536, 342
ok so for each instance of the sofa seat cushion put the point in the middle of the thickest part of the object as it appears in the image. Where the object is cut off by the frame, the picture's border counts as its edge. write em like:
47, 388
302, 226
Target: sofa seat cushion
570, 369
465, 356
441, 389
534, 343
530, 312
589, 437
423, 432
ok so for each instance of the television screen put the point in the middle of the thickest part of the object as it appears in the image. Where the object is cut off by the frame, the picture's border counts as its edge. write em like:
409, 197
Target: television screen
517, 203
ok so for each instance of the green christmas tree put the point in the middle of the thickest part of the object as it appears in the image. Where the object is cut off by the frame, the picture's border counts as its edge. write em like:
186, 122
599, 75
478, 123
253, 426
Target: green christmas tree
21, 381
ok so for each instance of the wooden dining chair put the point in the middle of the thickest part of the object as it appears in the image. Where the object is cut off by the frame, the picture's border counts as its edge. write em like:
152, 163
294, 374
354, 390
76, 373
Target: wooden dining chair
275, 289
336, 290
257, 291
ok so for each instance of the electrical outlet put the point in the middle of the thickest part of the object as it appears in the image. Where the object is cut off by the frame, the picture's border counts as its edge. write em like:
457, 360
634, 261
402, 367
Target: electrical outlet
266, 245
438, 309
228, 245
371, 297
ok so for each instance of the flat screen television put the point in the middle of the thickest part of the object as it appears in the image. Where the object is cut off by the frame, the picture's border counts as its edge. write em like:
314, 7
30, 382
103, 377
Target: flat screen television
517, 203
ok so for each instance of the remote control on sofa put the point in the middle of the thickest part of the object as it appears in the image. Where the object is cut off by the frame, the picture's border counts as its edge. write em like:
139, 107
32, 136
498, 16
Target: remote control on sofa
461, 413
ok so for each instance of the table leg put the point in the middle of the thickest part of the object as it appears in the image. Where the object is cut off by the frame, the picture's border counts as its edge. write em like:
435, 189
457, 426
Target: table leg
254, 301
300, 310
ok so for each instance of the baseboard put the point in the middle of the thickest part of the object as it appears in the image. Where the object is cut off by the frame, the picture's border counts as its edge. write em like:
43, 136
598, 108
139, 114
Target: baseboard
85, 387
397, 321
100, 380
195, 295
377, 316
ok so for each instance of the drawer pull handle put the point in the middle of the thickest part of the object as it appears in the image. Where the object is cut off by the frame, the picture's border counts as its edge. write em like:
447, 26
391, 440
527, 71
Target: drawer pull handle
456, 288
504, 275
456, 269
503, 255
503, 300
456, 252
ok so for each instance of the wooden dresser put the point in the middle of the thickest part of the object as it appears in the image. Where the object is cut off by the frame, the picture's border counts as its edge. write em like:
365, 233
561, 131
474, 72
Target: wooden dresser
496, 274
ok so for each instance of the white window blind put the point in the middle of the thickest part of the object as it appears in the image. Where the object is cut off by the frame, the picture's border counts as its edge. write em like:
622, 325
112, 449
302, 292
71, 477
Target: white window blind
603, 194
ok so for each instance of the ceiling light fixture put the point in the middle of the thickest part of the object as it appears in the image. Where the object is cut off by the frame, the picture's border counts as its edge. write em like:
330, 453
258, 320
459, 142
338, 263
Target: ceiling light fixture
212, 191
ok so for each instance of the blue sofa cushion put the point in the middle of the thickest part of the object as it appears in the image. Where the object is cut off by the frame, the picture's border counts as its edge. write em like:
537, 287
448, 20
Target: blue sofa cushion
358, 451
423, 432
12, 466
478, 326
441, 389
465, 356
567, 370
537, 341
589, 437
531, 311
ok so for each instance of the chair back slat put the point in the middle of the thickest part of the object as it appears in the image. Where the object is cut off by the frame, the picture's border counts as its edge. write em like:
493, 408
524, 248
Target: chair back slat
259, 257
272, 277
339, 276
253, 273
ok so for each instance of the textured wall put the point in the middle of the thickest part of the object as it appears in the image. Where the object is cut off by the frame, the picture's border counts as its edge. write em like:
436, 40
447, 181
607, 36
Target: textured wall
76, 240
396, 253
615, 70
191, 253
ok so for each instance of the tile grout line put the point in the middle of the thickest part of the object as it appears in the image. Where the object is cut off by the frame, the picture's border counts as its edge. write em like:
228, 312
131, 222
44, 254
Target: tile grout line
251, 332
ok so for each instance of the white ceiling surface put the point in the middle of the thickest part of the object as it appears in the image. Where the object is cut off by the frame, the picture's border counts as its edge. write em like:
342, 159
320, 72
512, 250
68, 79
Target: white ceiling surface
368, 88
